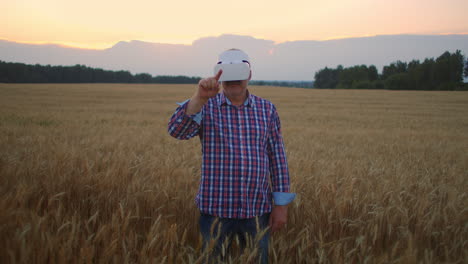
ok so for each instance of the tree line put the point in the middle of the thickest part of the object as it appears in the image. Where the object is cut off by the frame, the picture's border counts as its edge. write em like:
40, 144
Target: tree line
466, 68
295, 84
11, 72
443, 73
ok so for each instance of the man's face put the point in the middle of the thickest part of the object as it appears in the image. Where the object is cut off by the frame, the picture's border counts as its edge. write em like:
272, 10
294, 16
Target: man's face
235, 88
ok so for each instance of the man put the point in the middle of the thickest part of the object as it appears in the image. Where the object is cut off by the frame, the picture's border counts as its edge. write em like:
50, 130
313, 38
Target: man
244, 185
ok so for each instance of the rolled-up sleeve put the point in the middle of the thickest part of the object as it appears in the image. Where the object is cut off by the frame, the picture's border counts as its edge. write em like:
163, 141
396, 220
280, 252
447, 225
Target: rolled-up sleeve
283, 198
183, 126
279, 170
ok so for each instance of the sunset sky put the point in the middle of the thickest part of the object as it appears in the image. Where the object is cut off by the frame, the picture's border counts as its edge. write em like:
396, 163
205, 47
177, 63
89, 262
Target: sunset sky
100, 24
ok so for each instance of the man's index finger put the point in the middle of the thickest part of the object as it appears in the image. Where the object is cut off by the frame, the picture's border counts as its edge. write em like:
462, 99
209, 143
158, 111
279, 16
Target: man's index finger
218, 75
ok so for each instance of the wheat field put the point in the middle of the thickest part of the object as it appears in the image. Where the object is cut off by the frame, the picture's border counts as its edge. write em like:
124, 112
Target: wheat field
89, 174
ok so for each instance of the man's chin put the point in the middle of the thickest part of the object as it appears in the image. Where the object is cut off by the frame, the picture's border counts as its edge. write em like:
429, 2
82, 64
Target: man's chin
233, 83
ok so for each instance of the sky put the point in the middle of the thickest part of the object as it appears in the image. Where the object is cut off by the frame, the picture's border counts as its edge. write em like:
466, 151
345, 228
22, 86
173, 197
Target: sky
100, 24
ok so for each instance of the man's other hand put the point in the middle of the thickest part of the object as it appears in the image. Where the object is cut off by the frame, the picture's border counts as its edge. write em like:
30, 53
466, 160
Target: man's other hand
278, 217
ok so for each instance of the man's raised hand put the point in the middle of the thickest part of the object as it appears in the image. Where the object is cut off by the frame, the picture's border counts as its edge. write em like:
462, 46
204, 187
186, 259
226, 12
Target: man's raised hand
209, 87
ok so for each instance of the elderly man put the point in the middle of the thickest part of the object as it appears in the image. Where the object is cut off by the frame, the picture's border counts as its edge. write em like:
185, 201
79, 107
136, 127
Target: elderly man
244, 185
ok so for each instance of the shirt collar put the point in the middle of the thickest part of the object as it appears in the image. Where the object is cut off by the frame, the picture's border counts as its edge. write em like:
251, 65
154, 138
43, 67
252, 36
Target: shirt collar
250, 101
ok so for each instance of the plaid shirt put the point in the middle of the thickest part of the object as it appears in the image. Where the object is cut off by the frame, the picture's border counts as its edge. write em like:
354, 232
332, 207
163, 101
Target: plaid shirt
242, 147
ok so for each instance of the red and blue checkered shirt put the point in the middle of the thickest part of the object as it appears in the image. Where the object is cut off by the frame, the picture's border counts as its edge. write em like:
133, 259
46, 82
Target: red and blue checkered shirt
242, 155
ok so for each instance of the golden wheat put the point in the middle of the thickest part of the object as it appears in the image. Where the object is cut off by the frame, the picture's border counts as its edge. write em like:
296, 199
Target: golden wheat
88, 174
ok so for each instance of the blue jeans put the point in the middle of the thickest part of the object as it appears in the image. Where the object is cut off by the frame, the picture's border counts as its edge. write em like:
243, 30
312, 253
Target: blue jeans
224, 230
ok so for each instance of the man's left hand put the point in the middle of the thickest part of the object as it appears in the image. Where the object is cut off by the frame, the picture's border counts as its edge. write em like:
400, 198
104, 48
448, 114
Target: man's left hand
278, 217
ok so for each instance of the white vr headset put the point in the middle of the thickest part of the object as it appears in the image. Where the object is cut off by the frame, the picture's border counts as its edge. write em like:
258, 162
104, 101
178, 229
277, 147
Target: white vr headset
235, 65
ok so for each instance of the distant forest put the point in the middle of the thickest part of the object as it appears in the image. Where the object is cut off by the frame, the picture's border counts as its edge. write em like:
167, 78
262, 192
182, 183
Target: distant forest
296, 84
444, 73
11, 72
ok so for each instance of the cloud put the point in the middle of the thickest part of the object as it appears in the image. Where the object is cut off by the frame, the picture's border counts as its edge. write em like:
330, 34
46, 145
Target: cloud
296, 60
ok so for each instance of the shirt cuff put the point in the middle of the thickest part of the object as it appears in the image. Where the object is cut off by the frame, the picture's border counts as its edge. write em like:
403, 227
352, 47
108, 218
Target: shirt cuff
196, 117
283, 198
